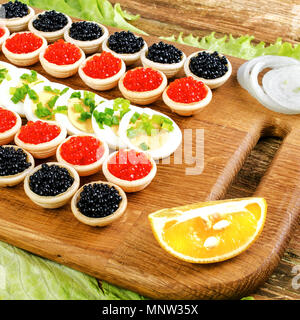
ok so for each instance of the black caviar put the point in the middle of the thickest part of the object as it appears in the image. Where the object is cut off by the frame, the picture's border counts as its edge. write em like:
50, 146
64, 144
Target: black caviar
14, 9
208, 65
50, 21
98, 200
50, 180
164, 53
12, 161
85, 31
125, 42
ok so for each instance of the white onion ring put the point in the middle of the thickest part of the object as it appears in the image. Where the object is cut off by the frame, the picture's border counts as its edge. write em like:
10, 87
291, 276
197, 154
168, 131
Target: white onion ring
275, 84
247, 77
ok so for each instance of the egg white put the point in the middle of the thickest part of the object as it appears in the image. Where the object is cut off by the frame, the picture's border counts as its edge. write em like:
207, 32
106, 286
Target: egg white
11, 71
107, 134
14, 82
29, 114
172, 143
63, 119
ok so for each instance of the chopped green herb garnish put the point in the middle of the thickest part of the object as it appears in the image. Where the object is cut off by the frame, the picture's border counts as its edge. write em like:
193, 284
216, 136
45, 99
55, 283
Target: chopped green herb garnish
89, 100
64, 91
42, 112
49, 89
131, 133
29, 78
33, 95
149, 125
78, 108
145, 117
84, 116
4, 75
109, 111
76, 94
111, 117
19, 94
144, 146
52, 101
56, 91
61, 109
121, 103
135, 117
115, 121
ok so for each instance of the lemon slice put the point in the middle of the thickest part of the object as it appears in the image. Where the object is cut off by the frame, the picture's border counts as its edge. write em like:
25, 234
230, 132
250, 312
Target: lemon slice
211, 231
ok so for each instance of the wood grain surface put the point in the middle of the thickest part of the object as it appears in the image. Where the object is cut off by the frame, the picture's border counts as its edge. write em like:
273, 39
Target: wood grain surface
131, 249
266, 20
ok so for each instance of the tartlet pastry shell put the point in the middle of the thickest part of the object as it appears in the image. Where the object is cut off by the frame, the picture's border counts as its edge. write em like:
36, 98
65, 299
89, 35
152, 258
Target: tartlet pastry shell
24, 59
43, 150
212, 83
61, 71
10, 181
49, 36
5, 36
128, 58
88, 47
100, 222
55, 201
101, 84
169, 69
84, 170
145, 97
130, 186
18, 24
8, 136
189, 109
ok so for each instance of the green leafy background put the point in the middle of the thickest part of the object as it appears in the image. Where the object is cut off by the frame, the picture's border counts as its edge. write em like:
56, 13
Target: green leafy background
26, 276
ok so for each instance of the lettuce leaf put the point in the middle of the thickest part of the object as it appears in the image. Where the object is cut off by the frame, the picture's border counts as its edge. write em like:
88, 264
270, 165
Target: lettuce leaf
112, 292
241, 47
25, 276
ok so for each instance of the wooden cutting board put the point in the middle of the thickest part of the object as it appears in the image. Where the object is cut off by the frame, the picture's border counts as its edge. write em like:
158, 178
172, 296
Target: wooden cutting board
126, 253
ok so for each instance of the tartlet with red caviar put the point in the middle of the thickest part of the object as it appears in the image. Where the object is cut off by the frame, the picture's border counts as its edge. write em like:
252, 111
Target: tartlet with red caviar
23, 48
40, 138
130, 169
4, 34
84, 153
102, 71
143, 85
10, 123
61, 59
187, 96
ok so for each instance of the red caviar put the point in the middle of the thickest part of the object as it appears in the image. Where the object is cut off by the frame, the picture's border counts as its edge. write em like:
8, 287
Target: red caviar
82, 150
7, 120
129, 165
38, 132
62, 53
102, 66
186, 90
2, 32
142, 79
25, 42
